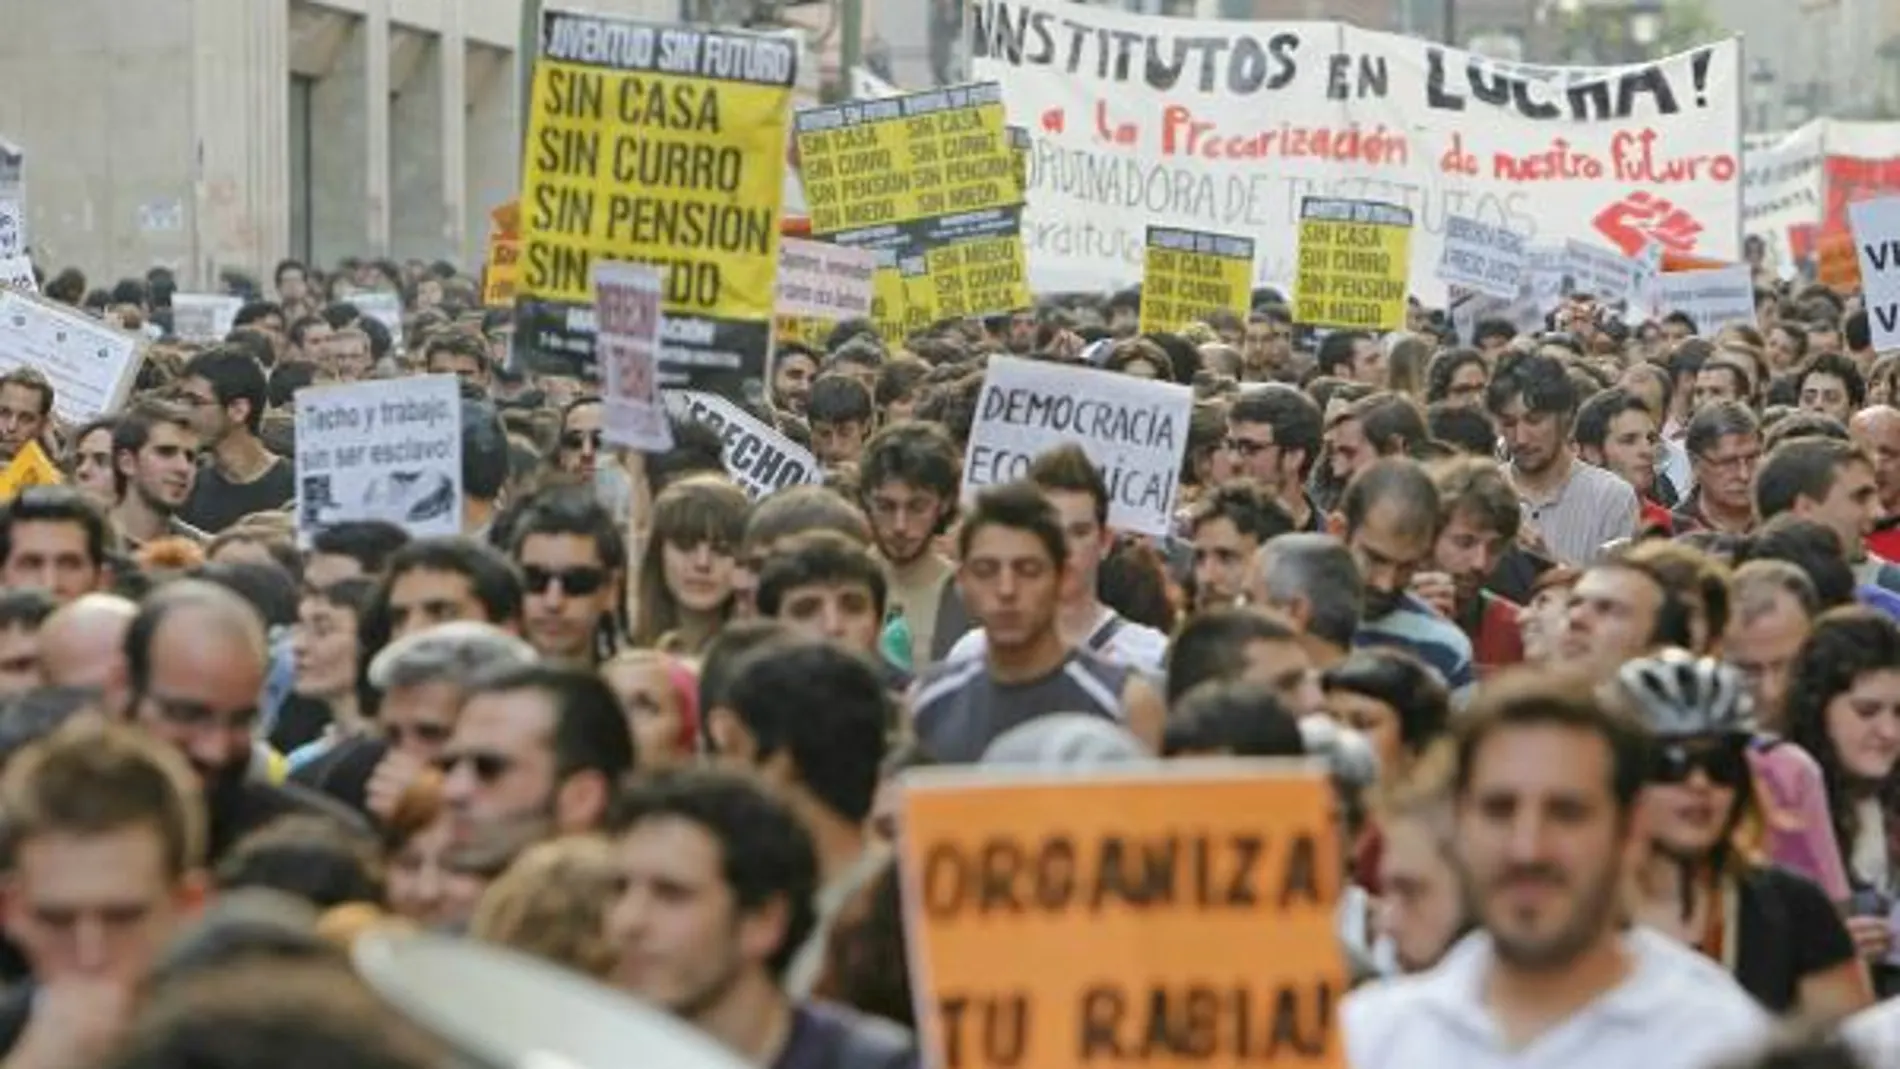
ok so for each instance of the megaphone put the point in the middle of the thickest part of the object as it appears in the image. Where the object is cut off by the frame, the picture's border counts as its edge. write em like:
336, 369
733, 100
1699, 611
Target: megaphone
502, 1009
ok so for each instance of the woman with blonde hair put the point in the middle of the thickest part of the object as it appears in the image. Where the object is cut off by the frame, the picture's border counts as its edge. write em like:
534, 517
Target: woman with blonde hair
685, 586
553, 902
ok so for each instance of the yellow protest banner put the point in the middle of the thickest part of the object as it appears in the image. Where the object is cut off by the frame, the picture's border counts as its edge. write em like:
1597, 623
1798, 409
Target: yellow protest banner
1186, 274
934, 181
1355, 258
1175, 917
30, 467
662, 145
501, 275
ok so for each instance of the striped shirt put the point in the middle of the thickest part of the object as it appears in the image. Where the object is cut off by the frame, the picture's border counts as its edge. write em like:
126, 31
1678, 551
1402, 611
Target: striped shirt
1591, 508
1416, 629
958, 708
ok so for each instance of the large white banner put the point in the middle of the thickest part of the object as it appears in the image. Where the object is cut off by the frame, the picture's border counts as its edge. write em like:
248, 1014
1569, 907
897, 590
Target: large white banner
1226, 126
1781, 190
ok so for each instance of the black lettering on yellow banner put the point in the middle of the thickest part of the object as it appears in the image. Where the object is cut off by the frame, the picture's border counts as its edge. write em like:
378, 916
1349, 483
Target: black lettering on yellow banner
661, 145
1187, 275
1354, 263
934, 179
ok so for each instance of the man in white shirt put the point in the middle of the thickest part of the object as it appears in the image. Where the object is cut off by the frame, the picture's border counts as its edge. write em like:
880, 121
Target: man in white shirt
1074, 485
1546, 836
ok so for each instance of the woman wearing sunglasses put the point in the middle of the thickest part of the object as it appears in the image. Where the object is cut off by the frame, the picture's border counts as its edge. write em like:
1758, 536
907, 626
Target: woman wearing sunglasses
1776, 932
1843, 707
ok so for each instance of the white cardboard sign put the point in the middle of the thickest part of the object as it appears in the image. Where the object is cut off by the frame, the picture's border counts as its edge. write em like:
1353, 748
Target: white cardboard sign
1135, 430
388, 449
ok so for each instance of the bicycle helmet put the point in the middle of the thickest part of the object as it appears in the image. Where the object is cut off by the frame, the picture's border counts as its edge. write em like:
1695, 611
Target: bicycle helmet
1679, 695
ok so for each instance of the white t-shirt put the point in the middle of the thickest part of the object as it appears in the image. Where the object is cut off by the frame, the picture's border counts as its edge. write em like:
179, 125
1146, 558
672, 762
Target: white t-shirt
1675, 1010
1114, 638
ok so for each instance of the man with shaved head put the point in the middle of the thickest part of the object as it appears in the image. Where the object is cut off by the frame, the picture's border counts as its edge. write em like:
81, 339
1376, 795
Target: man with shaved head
83, 645
1876, 429
195, 658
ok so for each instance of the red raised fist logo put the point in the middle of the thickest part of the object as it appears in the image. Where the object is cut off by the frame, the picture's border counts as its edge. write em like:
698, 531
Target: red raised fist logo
1641, 218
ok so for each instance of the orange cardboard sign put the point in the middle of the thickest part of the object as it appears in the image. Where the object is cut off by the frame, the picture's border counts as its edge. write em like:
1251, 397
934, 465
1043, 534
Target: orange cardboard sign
1172, 917
1837, 263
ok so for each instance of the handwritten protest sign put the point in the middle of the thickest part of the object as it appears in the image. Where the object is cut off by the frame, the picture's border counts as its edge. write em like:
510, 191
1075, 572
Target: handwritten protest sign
1876, 227
204, 317
1170, 917
757, 456
381, 450
820, 280
1596, 271
1713, 298
1135, 430
1233, 122
29, 467
1477, 256
627, 317
931, 183
663, 145
1187, 274
1355, 257
92, 366
16, 273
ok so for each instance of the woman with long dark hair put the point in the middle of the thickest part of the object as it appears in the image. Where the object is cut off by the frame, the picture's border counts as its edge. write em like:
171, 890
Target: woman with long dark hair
1843, 708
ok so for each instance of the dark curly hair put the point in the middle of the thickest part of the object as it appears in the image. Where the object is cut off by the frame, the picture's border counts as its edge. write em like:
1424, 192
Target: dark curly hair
1847, 643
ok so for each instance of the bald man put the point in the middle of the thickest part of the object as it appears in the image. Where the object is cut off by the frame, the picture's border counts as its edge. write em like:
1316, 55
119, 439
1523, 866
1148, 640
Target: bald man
83, 645
196, 657
1876, 429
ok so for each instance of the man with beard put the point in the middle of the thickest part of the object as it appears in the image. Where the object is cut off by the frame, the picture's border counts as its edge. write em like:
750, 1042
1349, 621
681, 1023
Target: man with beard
1546, 838
908, 479
717, 880
538, 750
1479, 516
1575, 508
155, 464
195, 658
1390, 519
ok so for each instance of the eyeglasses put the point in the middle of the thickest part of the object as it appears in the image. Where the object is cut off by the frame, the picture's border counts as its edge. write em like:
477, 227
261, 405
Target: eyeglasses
488, 765
1740, 461
575, 582
1725, 763
577, 439
1247, 447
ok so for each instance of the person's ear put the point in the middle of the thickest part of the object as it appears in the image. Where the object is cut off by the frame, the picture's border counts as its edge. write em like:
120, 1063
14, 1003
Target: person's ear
581, 800
731, 739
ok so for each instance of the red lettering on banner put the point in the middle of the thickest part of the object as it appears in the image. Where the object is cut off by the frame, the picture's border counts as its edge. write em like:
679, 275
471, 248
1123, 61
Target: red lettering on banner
1636, 161
1559, 162
1184, 135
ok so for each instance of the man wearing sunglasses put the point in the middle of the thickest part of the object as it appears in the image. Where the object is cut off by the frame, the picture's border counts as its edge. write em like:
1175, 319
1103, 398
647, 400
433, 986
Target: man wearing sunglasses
1776, 932
537, 750
570, 553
